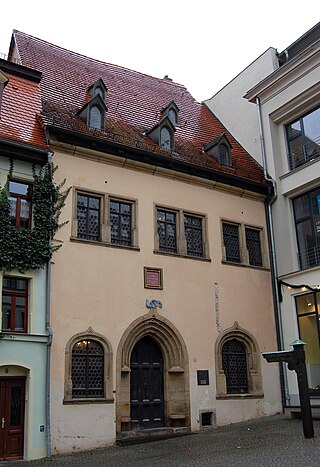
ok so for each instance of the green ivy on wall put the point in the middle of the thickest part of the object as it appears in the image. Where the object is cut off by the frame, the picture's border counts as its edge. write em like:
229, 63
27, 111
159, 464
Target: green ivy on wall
24, 249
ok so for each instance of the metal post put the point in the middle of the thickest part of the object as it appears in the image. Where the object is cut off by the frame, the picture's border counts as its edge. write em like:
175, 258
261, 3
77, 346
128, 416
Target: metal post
300, 368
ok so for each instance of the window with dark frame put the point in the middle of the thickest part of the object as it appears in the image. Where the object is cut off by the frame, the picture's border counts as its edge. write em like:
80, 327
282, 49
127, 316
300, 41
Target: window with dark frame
167, 230
88, 217
307, 219
224, 156
87, 372
303, 139
121, 222
231, 242
20, 204
95, 118
165, 139
234, 363
14, 304
193, 233
253, 243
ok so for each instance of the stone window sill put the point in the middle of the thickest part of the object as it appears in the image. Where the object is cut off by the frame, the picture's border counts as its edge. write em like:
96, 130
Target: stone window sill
100, 243
179, 255
87, 401
240, 396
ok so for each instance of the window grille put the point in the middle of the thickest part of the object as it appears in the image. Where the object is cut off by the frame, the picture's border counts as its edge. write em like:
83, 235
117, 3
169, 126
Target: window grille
193, 233
87, 370
254, 247
121, 222
167, 231
88, 217
234, 363
231, 242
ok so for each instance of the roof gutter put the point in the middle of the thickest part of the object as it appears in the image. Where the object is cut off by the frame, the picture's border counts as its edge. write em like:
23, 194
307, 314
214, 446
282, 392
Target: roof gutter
137, 154
13, 149
272, 253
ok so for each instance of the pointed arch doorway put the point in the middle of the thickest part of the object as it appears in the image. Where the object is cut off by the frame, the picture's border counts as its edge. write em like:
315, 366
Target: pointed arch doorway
146, 385
152, 376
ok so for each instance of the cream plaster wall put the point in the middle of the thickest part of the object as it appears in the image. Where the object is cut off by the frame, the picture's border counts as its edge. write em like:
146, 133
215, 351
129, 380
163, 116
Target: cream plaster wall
102, 287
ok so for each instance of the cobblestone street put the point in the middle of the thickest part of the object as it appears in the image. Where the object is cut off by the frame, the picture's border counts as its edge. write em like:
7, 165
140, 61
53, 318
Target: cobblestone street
271, 441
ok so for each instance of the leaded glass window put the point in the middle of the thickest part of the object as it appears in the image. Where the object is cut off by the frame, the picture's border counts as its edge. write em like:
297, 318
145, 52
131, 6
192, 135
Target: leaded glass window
224, 155
88, 216
193, 233
231, 242
121, 222
87, 370
234, 363
254, 246
167, 230
20, 204
95, 118
165, 139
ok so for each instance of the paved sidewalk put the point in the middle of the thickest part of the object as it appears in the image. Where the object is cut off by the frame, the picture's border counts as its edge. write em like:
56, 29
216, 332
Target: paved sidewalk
271, 441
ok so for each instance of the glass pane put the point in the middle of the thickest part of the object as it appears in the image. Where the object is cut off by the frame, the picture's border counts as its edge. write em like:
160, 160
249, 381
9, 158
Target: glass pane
11, 283
294, 129
94, 203
231, 242
172, 116
95, 118
24, 213
13, 209
305, 304
311, 126
19, 188
20, 313
6, 312
308, 251
126, 208
309, 334
82, 200
114, 206
165, 139
301, 207
254, 247
15, 406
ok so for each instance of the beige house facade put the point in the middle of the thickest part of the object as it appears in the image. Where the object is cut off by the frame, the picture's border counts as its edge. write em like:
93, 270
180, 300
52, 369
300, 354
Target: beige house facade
161, 297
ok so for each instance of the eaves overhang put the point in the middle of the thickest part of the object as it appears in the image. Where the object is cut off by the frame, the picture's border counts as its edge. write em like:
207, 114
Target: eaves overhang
20, 70
16, 150
74, 138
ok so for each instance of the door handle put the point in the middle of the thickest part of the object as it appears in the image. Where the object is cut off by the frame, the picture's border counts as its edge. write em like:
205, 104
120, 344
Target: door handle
3, 422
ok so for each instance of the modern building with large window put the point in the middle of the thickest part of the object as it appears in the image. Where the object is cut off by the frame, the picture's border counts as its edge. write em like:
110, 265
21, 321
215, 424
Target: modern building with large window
288, 102
161, 298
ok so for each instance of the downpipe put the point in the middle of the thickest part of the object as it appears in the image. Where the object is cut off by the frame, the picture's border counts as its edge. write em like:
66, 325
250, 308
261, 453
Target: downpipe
273, 263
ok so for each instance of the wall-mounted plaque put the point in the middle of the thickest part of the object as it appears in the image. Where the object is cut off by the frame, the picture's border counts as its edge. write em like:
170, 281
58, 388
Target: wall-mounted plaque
153, 278
203, 377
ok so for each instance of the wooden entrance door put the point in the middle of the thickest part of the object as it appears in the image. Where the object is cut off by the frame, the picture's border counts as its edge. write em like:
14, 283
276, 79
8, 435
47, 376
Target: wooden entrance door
146, 391
12, 395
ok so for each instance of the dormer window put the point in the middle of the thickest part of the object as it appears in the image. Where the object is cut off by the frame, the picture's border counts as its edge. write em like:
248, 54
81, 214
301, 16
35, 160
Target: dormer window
220, 149
95, 118
93, 113
163, 134
165, 139
224, 155
172, 112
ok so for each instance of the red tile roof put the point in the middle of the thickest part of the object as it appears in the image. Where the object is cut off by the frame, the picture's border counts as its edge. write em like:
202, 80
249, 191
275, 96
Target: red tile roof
134, 101
20, 110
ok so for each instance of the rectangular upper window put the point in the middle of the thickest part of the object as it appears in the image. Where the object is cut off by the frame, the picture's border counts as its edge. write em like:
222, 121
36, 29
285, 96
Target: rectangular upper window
120, 222
307, 219
88, 217
14, 304
20, 204
242, 244
193, 233
180, 233
167, 230
103, 218
303, 139
231, 242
